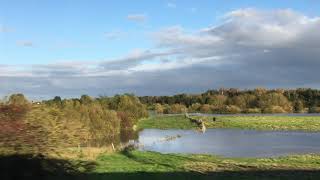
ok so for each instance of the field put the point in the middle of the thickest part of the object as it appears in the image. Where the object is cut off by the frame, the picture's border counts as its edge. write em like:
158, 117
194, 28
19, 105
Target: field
152, 165
166, 122
307, 123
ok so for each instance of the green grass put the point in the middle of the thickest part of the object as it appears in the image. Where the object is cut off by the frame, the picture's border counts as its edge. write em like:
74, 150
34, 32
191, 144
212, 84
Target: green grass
310, 123
147, 161
181, 166
166, 122
306, 123
152, 165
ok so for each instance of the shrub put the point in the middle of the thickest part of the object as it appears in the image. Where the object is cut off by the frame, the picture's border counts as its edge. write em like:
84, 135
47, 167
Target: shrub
252, 110
194, 107
177, 108
166, 108
205, 108
13, 111
18, 99
126, 120
158, 108
232, 109
274, 109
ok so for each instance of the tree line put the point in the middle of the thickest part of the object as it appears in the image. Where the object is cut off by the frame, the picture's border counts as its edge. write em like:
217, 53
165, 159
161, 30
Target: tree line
58, 123
259, 100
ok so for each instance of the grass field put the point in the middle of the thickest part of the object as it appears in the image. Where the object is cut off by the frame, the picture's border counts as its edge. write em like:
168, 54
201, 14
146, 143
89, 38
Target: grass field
306, 123
166, 122
309, 123
153, 165
137, 161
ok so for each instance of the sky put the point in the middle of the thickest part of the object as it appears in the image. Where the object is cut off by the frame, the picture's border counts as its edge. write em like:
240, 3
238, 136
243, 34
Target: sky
97, 47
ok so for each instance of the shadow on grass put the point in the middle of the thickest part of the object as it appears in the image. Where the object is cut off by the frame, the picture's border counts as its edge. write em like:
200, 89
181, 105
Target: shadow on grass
38, 167
30, 166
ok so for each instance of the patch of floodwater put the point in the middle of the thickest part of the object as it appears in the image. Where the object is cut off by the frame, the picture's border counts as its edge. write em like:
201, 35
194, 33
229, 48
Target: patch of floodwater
230, 142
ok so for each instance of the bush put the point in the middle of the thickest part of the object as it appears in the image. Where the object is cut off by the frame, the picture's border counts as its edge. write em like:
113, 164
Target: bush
177, 109
166, 108
13, 111
252, 110
232, 109
158, 108
205, 108
194, 107
274, 109
15, 108
18, 99
126, 120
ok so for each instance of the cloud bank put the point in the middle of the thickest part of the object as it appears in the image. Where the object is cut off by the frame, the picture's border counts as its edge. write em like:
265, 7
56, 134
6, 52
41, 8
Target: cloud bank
250, 48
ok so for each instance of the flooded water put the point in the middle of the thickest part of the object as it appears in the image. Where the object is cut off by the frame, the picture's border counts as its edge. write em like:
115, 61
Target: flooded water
230, 142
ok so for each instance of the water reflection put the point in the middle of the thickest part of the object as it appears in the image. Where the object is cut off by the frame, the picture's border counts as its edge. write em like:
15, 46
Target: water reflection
126, 136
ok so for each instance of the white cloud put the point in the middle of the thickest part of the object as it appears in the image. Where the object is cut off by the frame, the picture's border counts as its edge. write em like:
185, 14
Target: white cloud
137, 17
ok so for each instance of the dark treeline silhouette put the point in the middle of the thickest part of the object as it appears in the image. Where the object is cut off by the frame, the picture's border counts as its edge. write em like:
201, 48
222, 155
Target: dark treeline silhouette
259, 100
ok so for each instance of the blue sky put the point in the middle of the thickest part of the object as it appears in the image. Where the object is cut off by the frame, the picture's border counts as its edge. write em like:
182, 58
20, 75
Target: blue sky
112, 46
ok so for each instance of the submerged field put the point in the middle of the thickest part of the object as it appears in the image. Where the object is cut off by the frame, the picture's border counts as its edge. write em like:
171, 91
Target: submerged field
304, 123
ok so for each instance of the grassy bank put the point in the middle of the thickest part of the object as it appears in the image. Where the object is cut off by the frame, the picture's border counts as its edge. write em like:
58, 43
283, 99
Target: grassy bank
306, 123
310, 123
137, 161
152, 165
166, 122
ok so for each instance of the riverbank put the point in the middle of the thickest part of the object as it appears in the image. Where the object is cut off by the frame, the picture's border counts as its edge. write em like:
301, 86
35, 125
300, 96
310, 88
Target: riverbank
151, 165
166, 122
294, 123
